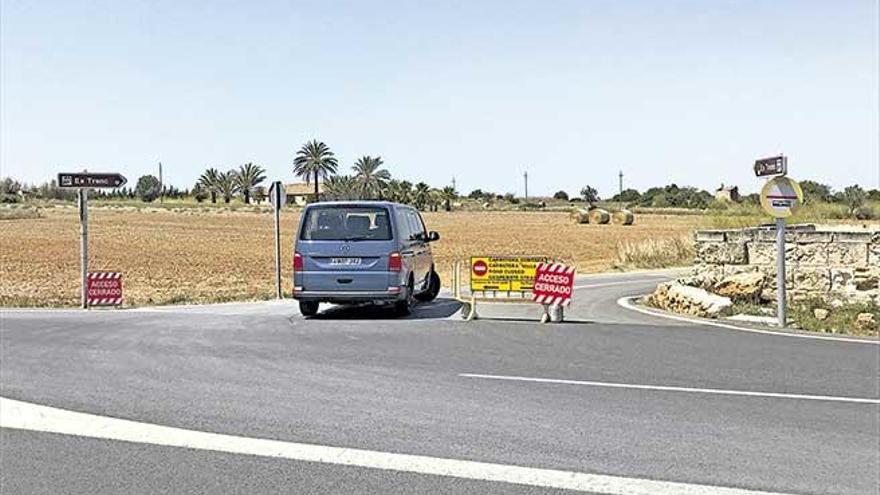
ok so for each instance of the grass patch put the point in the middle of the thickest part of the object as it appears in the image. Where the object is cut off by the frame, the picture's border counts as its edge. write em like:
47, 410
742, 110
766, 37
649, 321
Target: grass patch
655, 253
19, 212
841, 319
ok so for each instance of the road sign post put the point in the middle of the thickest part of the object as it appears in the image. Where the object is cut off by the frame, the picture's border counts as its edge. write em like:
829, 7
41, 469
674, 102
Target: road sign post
82, 196
277, 196
780, 198
82, 182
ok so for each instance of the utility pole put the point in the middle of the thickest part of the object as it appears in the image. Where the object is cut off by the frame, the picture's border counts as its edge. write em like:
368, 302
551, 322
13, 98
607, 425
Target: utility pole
161, 185
620, 177
526, 179
453, 182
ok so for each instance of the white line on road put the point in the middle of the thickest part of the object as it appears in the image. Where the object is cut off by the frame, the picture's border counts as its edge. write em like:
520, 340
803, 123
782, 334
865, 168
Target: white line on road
663, 388
25, 416
623, 282
626, 302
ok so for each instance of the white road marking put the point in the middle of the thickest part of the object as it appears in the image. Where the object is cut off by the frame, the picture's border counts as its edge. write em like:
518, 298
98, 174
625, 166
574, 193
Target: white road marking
625, 302
623, 282
663, 388
25, 416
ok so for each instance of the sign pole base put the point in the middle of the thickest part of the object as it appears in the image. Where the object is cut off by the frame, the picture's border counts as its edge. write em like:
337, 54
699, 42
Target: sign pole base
780, 271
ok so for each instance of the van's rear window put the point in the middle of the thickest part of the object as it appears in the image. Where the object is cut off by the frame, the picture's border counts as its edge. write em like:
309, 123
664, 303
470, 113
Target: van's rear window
346, 223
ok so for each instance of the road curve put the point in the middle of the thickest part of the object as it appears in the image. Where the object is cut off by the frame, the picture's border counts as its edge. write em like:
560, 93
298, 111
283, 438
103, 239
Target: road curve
612, 393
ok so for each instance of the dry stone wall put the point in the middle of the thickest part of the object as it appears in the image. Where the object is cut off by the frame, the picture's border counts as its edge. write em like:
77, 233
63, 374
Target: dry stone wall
834, 264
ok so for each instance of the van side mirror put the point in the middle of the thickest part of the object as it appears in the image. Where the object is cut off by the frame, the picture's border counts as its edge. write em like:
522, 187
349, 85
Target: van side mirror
433, 236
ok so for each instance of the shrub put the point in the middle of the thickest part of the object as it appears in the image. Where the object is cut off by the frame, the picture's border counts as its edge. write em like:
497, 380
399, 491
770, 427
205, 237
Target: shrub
147, 188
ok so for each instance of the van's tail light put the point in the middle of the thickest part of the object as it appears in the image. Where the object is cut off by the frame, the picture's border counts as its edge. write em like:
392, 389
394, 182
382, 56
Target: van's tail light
394, 262
297, 262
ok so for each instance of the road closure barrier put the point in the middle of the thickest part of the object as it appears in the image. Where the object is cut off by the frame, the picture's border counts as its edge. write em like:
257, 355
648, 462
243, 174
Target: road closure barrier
514, 279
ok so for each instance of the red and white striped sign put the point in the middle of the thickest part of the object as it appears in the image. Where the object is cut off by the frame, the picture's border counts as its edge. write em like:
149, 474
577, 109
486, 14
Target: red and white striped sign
104, 289
554, 283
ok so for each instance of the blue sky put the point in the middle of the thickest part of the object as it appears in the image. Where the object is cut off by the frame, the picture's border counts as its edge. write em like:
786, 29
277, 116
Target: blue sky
689, 92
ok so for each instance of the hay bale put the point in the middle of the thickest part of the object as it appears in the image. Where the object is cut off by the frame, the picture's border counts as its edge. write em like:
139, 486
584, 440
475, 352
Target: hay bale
622, 217
599, 216
580, 215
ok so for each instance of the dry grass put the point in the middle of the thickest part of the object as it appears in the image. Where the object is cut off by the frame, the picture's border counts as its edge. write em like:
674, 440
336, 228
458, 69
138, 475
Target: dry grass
19, 212
169, 256
655, 253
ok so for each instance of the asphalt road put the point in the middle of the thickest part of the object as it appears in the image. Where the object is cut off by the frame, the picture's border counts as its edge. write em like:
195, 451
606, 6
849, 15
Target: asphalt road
360, 378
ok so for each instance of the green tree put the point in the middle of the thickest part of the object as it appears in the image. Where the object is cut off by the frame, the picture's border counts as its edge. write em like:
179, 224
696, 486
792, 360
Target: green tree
590, 194
627, 196
561, 195
341, 187
314, 160
199, 193
853, 197
210, 182
421, 195
226, 186
814, 191
448, 195
247, 178
372, 179
148, 188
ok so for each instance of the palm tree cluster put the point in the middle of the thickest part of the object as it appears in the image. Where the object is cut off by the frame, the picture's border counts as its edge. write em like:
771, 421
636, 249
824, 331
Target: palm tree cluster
368, 180
243, 181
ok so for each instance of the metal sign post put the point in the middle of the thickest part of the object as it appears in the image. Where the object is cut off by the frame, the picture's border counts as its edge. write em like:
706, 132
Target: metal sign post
278, 196
82, 182
780, 197
83, 203
780, 272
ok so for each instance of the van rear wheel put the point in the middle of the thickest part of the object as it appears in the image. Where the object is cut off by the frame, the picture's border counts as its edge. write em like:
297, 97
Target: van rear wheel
404, 306
433, 288
308, 308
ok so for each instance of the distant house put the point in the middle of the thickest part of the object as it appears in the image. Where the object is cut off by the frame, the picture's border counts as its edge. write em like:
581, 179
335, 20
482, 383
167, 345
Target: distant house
300, 193
727, 193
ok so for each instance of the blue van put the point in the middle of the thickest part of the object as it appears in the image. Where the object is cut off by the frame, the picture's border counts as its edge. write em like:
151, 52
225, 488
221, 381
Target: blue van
349, 252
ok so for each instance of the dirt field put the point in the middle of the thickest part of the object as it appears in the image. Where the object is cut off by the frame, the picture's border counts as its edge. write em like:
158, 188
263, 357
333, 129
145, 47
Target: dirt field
192, 256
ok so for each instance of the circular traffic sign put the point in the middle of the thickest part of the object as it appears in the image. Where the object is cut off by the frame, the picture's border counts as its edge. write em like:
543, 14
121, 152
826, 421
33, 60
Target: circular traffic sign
480, 268
781, 197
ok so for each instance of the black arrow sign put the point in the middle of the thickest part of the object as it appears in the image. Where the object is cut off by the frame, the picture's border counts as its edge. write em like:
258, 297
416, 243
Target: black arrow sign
91, 180
776, 165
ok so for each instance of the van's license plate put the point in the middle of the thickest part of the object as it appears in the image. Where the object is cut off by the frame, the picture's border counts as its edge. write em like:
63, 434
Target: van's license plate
345, 261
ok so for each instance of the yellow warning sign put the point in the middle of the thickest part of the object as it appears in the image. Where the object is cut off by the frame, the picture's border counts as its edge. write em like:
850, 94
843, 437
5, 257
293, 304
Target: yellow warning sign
504, 273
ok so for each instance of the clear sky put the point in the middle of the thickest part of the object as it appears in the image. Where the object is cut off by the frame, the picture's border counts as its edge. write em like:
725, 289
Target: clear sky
689, 92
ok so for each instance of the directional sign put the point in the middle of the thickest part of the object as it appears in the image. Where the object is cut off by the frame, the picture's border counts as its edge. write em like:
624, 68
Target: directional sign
277, 194
781, 196
775, 165
86, 179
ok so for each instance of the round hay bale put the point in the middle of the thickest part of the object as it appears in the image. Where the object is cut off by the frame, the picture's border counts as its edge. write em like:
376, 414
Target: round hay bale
579, 215
622, 217
599, 216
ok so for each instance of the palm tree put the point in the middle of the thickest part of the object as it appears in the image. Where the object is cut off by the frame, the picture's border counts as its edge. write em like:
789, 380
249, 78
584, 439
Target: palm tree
435, 199
316, 160
341, 187
209, 181
371, 179
421, 195
247, 178
448, 195
226, 185
404, 192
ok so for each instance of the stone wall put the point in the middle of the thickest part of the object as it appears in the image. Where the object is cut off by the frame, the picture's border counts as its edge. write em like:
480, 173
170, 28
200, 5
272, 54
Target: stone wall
831, 263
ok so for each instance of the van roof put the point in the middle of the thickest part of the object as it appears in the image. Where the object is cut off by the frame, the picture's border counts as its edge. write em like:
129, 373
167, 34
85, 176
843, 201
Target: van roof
358, 202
